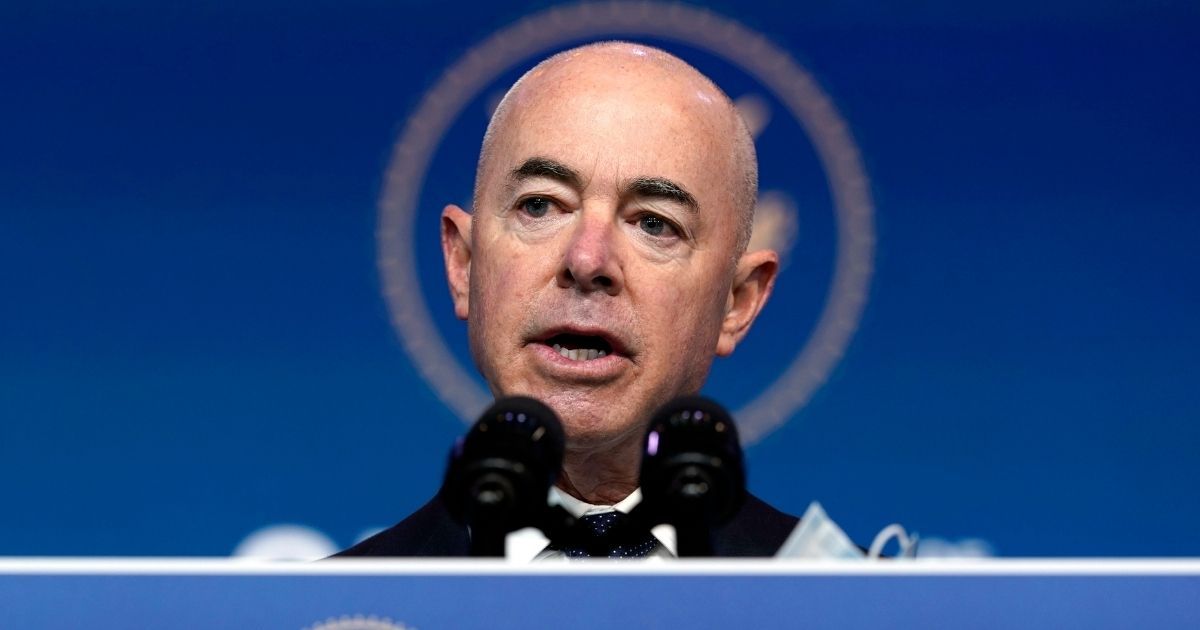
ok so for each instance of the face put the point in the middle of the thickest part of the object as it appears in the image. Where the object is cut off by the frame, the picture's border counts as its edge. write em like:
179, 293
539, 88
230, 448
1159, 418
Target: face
597, 271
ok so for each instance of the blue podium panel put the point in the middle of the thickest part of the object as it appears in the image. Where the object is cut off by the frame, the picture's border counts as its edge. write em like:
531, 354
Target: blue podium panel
429, 595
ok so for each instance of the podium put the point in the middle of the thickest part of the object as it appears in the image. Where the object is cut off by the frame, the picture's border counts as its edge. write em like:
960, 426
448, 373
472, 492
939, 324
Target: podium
103, 594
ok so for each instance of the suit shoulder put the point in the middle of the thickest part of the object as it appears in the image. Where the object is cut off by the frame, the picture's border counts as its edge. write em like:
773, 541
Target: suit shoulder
428, 532
757, 531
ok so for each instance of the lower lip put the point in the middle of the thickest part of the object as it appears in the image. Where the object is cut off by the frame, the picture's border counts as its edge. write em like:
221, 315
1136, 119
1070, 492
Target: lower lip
600, 368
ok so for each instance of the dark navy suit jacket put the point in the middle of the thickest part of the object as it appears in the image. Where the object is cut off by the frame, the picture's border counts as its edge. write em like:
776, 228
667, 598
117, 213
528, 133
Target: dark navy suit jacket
758, 530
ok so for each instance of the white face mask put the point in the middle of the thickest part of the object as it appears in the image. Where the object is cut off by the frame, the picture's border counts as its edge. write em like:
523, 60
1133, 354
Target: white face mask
818, 537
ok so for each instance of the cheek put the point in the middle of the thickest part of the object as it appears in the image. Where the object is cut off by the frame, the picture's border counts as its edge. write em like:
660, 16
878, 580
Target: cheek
686, 316
500, 292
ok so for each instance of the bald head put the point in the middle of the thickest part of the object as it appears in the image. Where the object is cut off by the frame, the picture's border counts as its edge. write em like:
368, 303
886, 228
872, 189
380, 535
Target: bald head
630, 70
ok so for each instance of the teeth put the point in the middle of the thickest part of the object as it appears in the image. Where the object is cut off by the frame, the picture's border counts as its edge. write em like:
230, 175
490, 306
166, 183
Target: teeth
581, 354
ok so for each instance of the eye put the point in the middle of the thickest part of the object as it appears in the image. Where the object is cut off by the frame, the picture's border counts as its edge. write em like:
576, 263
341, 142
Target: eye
655, 225
536, 207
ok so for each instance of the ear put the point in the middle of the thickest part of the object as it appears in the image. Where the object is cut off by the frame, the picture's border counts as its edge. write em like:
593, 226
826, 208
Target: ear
456, 249
752, 283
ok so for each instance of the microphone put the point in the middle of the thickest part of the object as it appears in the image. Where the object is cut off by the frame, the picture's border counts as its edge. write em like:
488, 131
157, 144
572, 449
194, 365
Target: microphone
501, 471
692, 476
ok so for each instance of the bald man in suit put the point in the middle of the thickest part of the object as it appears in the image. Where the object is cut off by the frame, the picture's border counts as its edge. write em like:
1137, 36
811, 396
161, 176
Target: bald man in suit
602, 268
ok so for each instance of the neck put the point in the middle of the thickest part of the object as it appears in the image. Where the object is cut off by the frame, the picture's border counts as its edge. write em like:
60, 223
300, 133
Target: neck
601, 477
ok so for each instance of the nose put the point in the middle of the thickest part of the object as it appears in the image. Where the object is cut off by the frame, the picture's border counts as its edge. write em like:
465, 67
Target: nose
591, 262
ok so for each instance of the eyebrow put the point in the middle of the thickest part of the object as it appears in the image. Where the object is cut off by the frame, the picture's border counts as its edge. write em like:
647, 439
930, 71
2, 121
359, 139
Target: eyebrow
662, 188
544, 167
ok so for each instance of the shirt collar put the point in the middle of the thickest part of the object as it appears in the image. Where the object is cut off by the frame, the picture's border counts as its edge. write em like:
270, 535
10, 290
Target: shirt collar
579, 507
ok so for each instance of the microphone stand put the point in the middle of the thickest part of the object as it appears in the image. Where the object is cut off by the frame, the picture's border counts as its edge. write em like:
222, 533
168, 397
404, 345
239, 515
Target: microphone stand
688, 508
491, 507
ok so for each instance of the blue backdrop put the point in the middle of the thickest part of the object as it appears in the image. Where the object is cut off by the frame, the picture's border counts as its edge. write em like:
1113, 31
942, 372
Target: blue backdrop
194, 342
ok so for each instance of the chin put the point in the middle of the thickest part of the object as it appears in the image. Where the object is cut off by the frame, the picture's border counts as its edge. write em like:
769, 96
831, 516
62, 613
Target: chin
590, 424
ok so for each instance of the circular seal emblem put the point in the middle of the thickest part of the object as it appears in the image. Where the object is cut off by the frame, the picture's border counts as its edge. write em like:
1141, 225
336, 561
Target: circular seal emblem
789, 83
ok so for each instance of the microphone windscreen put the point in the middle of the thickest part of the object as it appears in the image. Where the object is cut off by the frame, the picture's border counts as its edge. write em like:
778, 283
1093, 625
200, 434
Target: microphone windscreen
692, 459
516, 449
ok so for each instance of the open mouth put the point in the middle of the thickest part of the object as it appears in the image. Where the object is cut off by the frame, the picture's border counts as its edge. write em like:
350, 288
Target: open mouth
580, 347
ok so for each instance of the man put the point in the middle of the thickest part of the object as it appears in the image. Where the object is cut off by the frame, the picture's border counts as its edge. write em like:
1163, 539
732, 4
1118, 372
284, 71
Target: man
601, 270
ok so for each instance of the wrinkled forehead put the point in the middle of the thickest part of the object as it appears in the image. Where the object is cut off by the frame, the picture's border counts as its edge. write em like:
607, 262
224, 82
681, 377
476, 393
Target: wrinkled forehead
612, 117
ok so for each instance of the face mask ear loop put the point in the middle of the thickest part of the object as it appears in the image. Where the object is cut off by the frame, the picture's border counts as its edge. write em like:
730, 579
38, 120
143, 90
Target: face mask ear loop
908, 545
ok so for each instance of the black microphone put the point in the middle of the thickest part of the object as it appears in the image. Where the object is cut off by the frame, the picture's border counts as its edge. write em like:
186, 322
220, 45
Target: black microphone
693, 476
501, 471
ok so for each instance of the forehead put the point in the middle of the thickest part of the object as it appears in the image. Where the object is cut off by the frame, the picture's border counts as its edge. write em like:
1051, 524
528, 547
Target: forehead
620, 122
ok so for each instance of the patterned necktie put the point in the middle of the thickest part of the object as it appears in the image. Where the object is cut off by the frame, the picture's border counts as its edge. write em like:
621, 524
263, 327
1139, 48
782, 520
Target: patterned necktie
594, 540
